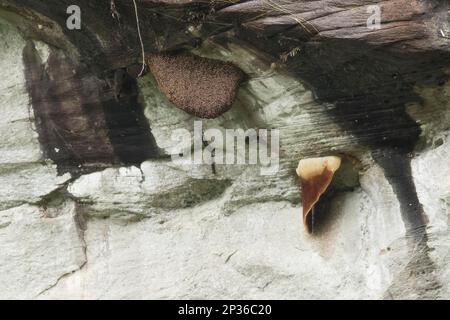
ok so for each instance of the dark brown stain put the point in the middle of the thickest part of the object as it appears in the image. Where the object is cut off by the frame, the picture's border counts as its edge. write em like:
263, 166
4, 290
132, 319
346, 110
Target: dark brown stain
81, 126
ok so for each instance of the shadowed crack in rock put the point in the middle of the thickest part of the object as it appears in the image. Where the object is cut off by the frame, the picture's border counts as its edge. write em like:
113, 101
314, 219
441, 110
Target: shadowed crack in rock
54, 200
80, 224
65, 275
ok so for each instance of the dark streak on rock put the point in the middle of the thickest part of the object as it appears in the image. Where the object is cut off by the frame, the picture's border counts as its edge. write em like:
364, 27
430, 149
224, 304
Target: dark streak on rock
370, 88
420, 270
369, 77
128, 130
81, 126
397, 169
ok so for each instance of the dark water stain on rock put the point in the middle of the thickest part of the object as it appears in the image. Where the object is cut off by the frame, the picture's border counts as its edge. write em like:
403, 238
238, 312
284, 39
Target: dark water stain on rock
397, 169
369, 78
81, 126
419, 273
370, 89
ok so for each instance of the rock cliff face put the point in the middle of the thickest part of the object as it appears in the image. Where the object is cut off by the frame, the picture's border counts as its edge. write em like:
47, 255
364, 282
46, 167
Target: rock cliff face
93, 207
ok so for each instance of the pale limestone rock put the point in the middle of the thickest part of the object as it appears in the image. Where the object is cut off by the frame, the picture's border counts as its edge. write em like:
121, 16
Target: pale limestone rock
432, 178
132, 193
37, 249
27, 183
261, 251
19, 142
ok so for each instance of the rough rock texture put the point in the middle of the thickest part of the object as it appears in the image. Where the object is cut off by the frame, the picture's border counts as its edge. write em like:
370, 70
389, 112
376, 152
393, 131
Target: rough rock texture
39, 248
146, 227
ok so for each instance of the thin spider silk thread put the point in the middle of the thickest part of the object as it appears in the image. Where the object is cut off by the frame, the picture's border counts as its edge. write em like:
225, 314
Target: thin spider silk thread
140, 38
